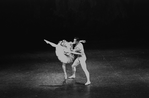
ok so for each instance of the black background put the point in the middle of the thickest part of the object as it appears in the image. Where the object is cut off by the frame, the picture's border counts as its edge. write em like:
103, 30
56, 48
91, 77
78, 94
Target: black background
105, 24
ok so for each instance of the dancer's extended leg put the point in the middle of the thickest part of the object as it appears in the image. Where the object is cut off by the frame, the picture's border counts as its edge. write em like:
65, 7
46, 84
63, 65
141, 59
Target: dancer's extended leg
74, 73
64, 70
74, 65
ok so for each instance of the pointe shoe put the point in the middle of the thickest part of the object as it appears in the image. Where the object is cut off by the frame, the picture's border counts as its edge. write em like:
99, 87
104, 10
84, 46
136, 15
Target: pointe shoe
72, 77
87, 83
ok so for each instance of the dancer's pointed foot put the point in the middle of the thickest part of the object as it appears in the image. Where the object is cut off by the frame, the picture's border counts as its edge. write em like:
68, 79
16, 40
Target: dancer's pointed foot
72, 77
88, 83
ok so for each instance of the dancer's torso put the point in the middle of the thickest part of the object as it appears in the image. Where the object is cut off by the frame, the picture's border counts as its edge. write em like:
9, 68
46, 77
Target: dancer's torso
80, 49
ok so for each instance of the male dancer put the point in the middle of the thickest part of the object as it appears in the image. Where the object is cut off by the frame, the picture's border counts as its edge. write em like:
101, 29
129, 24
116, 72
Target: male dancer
81, 59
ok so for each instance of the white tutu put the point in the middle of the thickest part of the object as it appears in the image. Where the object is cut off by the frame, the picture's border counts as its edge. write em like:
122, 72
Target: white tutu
60, 53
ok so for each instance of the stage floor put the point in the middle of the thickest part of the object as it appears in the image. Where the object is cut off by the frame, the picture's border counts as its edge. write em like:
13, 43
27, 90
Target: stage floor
114, 74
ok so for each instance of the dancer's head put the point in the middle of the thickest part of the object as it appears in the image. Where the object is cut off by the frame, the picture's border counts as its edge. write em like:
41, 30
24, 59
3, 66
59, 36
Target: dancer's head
66, 44
76, 40
63, 43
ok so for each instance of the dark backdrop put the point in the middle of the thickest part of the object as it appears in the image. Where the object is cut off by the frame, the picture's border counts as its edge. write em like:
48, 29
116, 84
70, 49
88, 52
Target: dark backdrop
105, 24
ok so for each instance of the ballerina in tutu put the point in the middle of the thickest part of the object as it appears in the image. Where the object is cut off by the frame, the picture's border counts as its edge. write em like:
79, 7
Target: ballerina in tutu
63, 53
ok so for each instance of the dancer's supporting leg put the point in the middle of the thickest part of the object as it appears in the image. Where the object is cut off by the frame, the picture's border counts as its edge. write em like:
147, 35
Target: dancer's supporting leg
64, 70
84, 67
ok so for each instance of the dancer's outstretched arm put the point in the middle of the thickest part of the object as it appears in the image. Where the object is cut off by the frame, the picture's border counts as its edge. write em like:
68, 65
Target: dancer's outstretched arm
74, 52
82, 41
